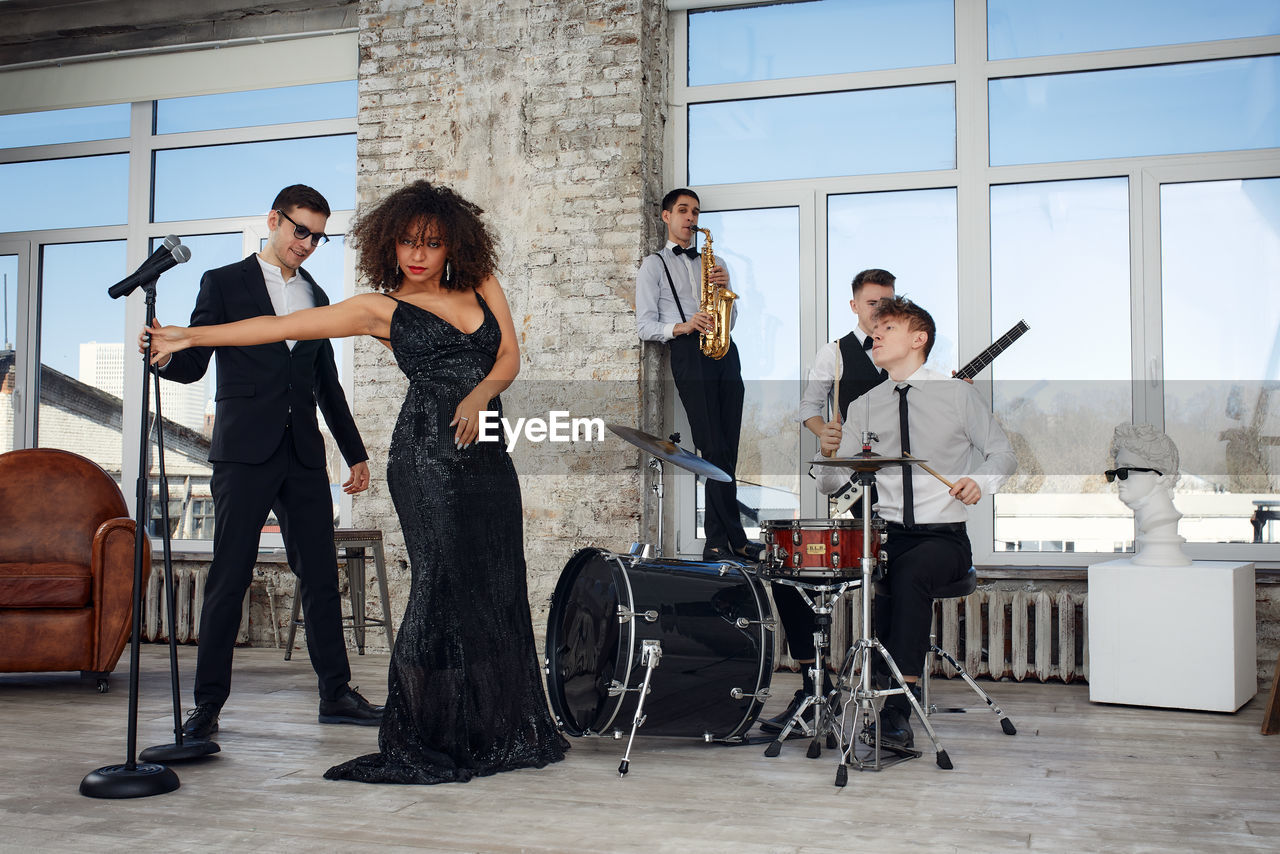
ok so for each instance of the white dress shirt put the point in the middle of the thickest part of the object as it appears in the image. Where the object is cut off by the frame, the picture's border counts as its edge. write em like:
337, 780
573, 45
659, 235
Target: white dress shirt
952, 429
656, 312
286, 296
819, 389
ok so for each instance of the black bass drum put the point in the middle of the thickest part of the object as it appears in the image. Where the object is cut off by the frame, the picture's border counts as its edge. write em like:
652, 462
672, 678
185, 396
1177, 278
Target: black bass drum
715, 628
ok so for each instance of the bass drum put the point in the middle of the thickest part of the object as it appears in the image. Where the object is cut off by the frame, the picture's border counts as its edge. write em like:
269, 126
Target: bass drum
715, 628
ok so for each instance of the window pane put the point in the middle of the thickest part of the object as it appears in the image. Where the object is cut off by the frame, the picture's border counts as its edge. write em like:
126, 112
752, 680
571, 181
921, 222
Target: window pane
261, 107
1220, 246
1060, 261
78, 320
8, 367
761, 250
241, 180
1019, 28
1167, 109
53, 193
815, 136
826, 37
54, 126
911, 234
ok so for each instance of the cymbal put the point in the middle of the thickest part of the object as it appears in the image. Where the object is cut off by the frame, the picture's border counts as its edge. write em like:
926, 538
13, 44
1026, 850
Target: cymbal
867, 461
671, 452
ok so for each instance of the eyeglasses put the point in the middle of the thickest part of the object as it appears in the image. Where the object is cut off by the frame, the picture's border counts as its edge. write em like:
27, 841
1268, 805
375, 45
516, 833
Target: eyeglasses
1123, 472
318, 238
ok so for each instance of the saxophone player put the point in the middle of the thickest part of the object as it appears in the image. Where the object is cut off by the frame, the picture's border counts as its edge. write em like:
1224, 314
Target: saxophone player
669, 303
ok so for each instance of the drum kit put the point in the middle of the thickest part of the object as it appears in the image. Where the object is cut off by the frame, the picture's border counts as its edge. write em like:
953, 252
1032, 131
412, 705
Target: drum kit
615, 618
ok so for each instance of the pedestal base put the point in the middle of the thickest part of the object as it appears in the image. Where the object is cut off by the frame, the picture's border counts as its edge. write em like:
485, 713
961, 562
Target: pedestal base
1182, 637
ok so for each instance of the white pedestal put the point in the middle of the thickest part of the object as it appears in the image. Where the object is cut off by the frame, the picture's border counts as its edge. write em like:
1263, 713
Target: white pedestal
1182, 637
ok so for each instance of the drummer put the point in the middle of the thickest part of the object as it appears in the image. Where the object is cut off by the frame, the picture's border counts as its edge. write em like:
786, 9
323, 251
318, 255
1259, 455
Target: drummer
948, 424
842, 372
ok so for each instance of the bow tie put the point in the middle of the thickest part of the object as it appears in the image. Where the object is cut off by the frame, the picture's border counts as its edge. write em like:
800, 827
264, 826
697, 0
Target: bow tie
680, 250
868, 343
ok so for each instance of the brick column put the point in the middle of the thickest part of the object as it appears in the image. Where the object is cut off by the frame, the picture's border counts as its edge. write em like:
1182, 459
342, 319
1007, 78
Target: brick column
549, 115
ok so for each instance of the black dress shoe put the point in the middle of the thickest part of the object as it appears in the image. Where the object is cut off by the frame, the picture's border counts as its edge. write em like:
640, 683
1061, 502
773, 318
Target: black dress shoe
202, 722
350, 708
711, 554
750, 550
895, 729
776, 723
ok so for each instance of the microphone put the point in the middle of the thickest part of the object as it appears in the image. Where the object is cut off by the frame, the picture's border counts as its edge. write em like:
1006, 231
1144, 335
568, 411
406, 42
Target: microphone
162, 259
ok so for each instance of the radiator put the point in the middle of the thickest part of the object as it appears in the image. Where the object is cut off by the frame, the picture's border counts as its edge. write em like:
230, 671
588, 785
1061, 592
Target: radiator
1018, 634
189, 598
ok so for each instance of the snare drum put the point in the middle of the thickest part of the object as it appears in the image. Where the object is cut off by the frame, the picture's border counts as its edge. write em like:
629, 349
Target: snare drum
815, 548
714, 625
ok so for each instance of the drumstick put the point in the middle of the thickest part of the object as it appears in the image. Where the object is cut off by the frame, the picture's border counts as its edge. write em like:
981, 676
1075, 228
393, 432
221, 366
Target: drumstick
835, 396
949, 484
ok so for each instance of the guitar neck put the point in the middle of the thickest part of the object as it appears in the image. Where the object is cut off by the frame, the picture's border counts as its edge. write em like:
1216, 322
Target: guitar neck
987, 356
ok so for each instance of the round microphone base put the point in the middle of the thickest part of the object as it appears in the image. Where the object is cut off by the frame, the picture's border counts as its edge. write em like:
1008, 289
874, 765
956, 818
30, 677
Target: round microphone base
121, 781
185, 751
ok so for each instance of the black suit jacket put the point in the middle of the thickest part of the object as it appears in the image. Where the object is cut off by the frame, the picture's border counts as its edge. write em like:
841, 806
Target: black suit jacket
261, 389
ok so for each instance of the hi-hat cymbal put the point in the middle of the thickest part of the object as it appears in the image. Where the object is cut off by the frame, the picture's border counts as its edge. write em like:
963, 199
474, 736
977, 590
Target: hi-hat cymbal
671, 452
867, 461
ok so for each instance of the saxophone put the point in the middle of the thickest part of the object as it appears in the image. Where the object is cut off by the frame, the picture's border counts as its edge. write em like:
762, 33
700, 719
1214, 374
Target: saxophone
717, 302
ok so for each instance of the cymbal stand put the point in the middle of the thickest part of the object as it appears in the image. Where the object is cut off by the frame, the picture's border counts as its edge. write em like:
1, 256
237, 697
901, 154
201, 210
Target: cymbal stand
655, 465
821, 598
858, 661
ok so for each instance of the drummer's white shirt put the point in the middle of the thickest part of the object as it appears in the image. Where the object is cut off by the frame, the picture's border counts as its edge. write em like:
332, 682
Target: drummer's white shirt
952, 428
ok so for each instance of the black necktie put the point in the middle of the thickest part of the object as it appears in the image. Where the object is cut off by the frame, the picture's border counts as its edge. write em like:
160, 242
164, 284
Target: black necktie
908, 500
680, 250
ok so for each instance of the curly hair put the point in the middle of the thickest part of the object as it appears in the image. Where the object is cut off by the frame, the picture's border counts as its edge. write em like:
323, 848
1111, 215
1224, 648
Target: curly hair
409, 212
1148, 444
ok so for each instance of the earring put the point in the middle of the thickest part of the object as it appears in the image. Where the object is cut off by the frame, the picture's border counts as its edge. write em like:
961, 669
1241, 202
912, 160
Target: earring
448, 271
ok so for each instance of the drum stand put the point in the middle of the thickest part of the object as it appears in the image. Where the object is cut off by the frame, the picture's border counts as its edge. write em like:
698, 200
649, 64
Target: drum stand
858, 661
820, 598
650, 655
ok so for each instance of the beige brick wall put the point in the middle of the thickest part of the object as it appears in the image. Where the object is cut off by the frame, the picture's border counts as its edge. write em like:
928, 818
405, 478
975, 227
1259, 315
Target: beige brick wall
550, 116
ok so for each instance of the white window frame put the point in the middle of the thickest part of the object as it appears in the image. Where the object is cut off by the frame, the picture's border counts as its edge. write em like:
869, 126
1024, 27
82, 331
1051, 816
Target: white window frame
140, 81
972, 180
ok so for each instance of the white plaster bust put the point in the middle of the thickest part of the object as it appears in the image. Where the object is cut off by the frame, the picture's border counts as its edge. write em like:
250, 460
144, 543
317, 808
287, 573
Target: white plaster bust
1148, 494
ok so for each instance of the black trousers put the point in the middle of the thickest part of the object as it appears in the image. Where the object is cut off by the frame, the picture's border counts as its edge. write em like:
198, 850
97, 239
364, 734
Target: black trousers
243, 495
921, 559
711, 391
798, 620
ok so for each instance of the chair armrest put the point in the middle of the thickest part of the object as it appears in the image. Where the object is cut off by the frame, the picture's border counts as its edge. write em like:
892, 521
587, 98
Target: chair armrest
113, 552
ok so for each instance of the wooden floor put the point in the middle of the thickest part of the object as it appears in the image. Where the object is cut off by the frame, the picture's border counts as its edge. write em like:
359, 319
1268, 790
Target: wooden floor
1076, 778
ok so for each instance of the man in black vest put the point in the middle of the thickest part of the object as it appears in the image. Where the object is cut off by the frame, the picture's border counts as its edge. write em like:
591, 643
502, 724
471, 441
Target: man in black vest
267, 453
668, 296
842, 372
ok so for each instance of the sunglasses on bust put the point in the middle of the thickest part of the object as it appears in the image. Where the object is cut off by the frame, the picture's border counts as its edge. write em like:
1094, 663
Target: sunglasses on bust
318, 238
1123, 472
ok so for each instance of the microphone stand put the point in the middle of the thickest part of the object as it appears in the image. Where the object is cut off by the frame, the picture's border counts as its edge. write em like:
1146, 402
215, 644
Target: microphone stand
179, 750
134, 779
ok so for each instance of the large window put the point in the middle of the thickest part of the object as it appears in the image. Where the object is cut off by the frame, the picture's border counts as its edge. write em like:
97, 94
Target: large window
1106, 172
760, 248
203, 168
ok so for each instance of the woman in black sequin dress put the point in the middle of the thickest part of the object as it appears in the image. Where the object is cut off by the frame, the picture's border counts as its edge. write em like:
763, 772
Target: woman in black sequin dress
464, 693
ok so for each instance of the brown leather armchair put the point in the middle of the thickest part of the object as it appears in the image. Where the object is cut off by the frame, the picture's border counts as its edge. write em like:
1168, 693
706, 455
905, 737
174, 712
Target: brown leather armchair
66, 565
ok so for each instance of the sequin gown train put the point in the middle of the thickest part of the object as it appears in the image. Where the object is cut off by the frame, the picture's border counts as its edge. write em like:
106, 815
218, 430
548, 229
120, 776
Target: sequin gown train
464, 692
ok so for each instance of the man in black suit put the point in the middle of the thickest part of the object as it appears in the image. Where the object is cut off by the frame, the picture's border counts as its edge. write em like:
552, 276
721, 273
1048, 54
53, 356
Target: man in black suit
267, 453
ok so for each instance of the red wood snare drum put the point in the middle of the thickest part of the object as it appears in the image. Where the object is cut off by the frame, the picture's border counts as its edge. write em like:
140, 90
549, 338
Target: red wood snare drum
816, 548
